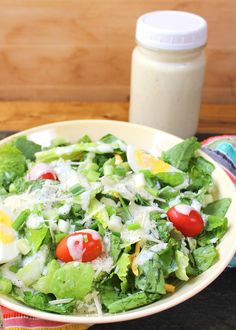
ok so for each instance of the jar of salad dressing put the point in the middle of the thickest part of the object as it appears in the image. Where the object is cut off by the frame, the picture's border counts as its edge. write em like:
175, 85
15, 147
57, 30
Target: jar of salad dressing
167, 71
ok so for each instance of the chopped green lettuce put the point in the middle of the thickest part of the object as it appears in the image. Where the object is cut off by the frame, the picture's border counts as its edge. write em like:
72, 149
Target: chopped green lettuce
27, 147
45, 283
72, 280
5, 286
72, 152
180, 155
85, 139
12, 165
205, 257
163, 230
20, 185
182, 262
122, 268
150, 278
214, 230
97, 211
117, 302
115, 248
31, 273
109, 138
37, 236
202, 165
41, 301
218, 208
172, 179
168, 193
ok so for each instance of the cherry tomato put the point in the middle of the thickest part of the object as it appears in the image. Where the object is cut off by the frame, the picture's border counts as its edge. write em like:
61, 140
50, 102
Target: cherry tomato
186, 219
83, 245
48, 176
42, 171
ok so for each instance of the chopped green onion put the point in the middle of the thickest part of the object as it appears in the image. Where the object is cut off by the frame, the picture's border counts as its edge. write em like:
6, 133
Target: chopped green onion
125, 207
134, 226
77, 189
152, 191
20, 220
23, 246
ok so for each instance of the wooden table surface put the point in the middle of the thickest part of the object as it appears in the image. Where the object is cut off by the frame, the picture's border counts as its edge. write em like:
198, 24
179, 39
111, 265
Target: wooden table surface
15, 116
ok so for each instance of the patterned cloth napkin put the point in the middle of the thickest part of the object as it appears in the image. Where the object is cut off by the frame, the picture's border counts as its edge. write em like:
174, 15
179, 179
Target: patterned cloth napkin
13, 320
221, 148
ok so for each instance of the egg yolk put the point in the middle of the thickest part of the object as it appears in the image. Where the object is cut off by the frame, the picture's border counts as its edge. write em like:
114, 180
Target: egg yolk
148, 161
7, 235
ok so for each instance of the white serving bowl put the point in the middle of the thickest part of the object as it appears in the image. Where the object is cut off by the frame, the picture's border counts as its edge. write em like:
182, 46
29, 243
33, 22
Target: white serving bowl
143, 137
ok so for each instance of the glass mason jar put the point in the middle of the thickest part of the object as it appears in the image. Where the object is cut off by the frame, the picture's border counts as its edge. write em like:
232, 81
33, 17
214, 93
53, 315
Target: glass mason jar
167, 71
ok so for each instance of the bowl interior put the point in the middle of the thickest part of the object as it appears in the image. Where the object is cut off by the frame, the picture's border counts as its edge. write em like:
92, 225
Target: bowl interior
145, 138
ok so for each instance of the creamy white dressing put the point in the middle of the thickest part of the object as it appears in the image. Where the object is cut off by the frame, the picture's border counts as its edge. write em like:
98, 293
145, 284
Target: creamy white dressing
196, 205
64, 209
183, 209
63, 226
34, 221
157, 97
115, 223
139, 180
75, 247
144, 256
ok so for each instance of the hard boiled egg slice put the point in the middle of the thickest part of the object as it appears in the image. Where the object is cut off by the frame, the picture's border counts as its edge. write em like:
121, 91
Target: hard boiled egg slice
8, 249
141, 160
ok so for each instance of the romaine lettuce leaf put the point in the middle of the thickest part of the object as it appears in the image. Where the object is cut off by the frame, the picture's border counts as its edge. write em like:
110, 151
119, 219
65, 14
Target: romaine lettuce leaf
132, 301
214, 230
72, 280
218, 208
116, 302
205, 257
109, 138
182, 262
31, 273
27, 147
5, 286
163, 230
41, 301
12, 164
167, 258
20, 185
85, 139
168, 193
36, 237
115, 248
97, 211
172, 179
198, 179
150, 278
72, 152
180, 155
44, 283
122, 268
202, 165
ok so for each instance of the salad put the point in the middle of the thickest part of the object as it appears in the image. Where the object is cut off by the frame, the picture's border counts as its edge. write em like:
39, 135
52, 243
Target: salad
95, 227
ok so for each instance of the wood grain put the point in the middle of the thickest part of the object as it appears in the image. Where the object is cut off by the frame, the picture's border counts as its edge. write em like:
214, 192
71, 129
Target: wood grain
80, 49
14, 116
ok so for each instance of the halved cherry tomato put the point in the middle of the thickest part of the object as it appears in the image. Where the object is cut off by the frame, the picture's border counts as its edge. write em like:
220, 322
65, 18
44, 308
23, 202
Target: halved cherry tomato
83, 245
42, 171
48, 176
186, 219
